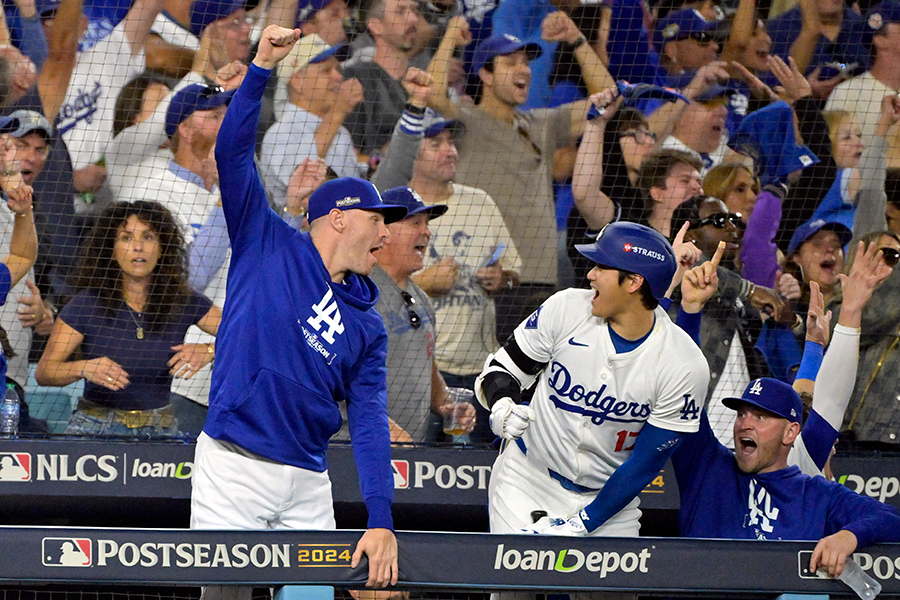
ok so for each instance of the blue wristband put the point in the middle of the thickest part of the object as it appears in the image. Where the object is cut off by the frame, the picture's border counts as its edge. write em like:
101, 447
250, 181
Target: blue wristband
812, 360
594, 112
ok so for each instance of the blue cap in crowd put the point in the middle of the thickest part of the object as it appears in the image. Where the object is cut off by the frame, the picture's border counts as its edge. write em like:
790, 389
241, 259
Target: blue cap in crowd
8, 124
768, 136
347, 193
306, 10
189, 100
502, 45
772, 396
883, 13
632, 93
682, 24
204, 12
29, 121
404, 196
637, 249
811, 228
456, 128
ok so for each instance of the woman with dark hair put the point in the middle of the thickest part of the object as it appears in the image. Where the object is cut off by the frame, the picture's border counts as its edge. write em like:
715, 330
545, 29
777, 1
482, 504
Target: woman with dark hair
138, 99
129, 317
611, 151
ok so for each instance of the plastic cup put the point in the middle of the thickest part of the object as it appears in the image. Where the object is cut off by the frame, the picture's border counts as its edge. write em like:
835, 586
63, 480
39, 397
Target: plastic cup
455, 407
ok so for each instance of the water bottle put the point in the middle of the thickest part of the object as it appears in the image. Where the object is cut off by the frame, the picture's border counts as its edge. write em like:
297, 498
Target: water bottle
859, 581
9, 413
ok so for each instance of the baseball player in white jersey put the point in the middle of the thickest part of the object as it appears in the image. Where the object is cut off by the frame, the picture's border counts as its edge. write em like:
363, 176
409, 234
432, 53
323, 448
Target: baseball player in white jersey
618, 384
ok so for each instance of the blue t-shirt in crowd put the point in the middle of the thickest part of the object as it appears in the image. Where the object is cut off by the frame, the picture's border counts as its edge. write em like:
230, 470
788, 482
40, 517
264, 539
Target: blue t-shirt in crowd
115, 336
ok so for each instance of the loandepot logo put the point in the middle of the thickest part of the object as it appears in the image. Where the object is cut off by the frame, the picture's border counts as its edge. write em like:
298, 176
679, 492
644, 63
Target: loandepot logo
570, 560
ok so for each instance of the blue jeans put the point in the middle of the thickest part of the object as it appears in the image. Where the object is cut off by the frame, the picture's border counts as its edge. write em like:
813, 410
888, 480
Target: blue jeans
82, 423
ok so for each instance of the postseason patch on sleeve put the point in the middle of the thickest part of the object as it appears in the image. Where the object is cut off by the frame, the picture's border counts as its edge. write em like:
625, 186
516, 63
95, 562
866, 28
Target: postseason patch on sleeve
532, 321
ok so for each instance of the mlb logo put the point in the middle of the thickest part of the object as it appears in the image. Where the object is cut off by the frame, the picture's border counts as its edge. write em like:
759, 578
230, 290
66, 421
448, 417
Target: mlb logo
66, 552
627, 247
15, 466
401, 474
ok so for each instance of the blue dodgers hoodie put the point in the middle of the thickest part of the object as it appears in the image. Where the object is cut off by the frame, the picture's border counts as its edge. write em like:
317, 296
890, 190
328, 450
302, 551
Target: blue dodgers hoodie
293, 344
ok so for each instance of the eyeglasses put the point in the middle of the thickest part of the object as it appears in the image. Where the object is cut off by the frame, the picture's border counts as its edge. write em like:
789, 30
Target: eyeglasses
891, 256
641, 137
415, 321
720, 220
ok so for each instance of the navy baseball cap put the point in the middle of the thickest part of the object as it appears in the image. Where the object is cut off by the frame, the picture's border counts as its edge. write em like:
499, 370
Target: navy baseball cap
883, 13
347, 193
772, 396
637, 249
456, 128
639, 91
9, 124
204, 12
501, 45
189, 100
30, 121
811, 228
682, 24
408, 197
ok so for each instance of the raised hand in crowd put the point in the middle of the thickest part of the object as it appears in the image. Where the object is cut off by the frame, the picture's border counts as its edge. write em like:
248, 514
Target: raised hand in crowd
757, 87
818, 322
418, 85
274, 44
231, 75
768, 303
605, 104
686, 255
822, 88
701, 282
559, 27
867, 272
306, 178
890, 114
707, 76
793, 84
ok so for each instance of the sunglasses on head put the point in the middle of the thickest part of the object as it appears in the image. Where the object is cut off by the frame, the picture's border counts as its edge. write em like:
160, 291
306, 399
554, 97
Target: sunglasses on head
415, 321
891, 256
720, 220
211, 90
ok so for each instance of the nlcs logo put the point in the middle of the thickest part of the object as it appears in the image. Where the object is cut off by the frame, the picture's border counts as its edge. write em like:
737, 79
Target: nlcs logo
66, 552
15, 466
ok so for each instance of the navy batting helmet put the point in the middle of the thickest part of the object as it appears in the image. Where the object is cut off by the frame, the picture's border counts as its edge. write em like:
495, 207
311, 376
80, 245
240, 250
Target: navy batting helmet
637, 249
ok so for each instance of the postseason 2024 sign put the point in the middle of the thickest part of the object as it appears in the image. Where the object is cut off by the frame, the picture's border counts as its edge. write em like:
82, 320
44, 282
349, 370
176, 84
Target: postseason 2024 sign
490, 561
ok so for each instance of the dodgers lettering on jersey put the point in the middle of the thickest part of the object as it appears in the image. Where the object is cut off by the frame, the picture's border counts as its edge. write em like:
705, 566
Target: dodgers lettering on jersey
590, 402
81, 108
596, 404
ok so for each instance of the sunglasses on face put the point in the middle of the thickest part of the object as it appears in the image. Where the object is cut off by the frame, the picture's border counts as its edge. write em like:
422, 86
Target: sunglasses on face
211, 90
415, 321
891, 256
720, 221
702, 38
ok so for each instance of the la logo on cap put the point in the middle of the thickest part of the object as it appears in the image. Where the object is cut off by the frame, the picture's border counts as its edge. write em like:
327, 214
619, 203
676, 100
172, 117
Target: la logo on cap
756, 389
627, 247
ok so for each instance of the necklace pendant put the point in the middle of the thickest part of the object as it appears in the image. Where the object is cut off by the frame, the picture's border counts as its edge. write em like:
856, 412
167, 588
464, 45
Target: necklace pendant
140, 333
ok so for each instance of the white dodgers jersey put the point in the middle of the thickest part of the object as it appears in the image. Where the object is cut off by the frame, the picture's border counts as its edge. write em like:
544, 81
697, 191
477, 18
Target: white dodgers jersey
591, 403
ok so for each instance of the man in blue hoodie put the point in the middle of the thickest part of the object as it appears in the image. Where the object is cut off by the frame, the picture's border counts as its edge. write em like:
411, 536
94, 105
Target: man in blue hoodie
299, 335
